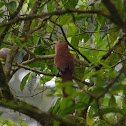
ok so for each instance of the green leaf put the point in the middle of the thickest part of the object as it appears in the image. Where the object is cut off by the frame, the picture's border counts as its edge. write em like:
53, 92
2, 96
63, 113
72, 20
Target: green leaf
21, 121
113, 33
2, 4
66, 21
75, 41
1, 121
86, 37
70, 4
38, 64
111, 109
112, 101
19, 56
23, 82
71, 29
31, 82
51, 6
66, 107
55, 108
11, 5
8, 123
82, 102
69, 89
56, 123
53, 68
45, 79
19, 43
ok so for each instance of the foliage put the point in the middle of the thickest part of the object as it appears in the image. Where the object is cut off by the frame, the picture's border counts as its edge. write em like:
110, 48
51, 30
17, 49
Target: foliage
97, 95
9, 123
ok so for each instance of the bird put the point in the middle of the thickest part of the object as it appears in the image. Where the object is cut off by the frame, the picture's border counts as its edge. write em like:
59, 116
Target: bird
64, 61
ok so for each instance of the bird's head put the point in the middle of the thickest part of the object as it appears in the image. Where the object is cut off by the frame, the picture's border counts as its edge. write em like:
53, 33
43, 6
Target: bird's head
60, 44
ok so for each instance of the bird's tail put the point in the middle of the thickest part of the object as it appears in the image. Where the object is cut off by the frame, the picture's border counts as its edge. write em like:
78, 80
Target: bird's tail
66, 76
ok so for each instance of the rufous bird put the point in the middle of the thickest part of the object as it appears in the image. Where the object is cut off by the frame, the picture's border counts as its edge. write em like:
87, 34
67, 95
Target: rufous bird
64, 61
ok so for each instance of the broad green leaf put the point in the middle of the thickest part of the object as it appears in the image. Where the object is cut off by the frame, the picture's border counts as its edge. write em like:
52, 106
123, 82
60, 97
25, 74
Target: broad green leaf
2, 4
23, 82
66, 106
38, 64
71, 29
75, 41
112, 101
66, 21
86, 37
70, 4
1, 13
11, 5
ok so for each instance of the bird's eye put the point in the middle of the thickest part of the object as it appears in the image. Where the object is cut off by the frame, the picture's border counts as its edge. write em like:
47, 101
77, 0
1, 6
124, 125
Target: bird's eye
60, 41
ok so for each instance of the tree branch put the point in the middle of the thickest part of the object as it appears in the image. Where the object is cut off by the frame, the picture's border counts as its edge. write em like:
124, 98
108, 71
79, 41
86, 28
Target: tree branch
11, 20
35, 70
4, 85
115, 17
104, 57
9, 60
18, 9
44, 14
27, 23
42, 117
49, 74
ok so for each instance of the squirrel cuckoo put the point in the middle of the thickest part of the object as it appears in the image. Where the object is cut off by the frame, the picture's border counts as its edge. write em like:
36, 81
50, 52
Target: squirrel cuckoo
64, 62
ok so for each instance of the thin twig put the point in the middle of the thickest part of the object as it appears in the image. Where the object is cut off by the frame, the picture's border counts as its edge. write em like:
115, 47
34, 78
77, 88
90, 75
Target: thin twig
33, 94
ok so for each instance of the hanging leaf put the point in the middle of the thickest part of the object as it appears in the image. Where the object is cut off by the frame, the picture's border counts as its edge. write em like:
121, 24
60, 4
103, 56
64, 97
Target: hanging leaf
23, 82
19, 56
31, 82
